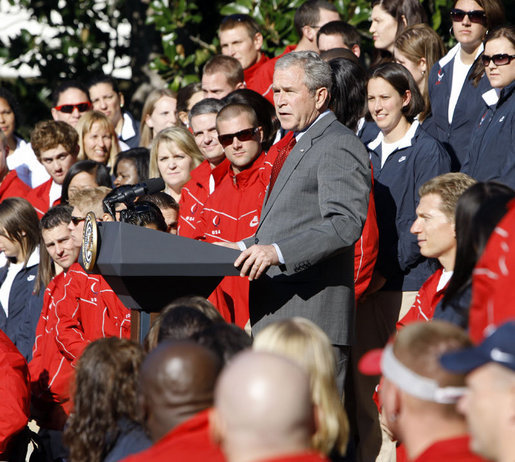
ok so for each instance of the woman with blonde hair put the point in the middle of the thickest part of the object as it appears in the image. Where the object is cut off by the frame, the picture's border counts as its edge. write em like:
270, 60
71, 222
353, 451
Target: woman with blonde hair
302, 341
97, 139
418, 48
173, 156
159, 112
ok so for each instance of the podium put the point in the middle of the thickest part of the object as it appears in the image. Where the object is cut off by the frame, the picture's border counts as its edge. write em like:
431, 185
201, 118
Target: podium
148, 269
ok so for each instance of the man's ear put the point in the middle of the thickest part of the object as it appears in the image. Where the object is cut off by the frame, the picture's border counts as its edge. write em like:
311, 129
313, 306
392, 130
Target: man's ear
258, 41
356, 50
309, 33
107, 217
240, 85
321, 97
217, 429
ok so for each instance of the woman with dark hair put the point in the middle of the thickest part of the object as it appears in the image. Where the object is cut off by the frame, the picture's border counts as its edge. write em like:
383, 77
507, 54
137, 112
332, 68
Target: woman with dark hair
349, 92
492, 147
457, 81
131, 167
106, 97
478, 211
85, 174
265, 111
404, 157
389, 18
19, 240
20, 156
106, 423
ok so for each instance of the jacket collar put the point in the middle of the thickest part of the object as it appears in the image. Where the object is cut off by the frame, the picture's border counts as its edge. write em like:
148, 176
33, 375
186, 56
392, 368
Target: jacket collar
404, 142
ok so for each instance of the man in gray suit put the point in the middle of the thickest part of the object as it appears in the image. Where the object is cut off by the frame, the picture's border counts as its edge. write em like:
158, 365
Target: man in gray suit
301, 257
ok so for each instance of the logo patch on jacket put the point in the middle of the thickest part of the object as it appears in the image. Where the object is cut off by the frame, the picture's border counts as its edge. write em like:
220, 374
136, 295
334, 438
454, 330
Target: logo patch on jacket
440, 77
255, 221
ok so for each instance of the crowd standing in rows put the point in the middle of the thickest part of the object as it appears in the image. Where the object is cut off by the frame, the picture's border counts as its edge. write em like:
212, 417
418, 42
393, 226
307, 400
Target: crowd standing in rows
372, 210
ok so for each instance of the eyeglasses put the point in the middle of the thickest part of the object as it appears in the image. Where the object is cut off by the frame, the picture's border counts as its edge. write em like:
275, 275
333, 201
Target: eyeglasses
242, 135
77, 220
69, 108
499, 60
475, 16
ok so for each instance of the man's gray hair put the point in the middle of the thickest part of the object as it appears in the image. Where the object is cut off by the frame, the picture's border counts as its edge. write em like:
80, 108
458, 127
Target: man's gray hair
206, 106
318, 73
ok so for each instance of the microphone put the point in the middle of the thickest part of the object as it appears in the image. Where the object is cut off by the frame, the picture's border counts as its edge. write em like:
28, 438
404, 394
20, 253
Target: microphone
127, 193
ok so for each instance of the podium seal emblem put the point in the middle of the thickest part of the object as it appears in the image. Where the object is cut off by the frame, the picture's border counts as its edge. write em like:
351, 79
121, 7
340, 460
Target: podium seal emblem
90, 242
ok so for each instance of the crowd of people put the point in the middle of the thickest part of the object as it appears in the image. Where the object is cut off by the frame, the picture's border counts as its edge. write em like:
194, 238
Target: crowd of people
371, 208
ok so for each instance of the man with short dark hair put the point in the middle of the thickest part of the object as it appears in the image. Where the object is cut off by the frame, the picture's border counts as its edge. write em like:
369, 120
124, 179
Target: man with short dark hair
240, 38
489, 400
222, 75
231, 213
309, 18
51, 374
56, 145
177, 385
338, 34
209, 173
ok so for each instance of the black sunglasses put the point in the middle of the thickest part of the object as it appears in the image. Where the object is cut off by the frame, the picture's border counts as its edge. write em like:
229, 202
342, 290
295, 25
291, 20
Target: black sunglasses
242, 135
499, 60
476, 16
69, 108
77, 220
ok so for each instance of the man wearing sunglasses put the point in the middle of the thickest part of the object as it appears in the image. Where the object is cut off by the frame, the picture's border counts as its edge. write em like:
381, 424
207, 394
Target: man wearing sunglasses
301, 257
70, 101
56, 145
231, 213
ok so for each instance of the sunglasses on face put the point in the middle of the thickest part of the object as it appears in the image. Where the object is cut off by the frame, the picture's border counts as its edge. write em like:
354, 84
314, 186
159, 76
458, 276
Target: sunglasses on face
242, 135
499, 60
69, 108
77, 220
475, 16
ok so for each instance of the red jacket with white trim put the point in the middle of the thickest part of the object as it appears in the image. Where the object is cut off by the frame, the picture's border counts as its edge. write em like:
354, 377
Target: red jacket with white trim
493, 288
51, 372
40, 198
15, 393
194, 195
425, 303
89, 310
12, 186
232, 214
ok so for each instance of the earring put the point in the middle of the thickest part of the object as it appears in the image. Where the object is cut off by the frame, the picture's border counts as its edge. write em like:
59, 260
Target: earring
423, 73
451, 32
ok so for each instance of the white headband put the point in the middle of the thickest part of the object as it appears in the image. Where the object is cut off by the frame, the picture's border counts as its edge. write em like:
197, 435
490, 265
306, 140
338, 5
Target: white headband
414, 384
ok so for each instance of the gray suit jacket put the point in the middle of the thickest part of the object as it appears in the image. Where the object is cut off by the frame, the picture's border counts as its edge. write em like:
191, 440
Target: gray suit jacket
315, 213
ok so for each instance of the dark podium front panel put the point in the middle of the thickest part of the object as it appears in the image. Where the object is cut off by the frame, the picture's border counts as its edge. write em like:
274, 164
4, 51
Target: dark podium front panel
148, 269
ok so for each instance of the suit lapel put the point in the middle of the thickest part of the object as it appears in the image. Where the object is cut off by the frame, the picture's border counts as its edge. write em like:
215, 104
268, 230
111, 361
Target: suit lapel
293, 159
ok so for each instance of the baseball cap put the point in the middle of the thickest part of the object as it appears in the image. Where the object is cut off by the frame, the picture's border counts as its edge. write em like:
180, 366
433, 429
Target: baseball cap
498, 347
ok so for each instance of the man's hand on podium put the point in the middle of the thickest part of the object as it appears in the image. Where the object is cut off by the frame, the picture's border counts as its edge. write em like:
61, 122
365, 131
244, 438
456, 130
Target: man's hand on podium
255, 260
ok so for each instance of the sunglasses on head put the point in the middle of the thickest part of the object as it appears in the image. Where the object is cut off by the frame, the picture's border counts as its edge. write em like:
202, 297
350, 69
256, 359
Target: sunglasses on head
242, 135
77, 220
475, 16
500, 59
69, 108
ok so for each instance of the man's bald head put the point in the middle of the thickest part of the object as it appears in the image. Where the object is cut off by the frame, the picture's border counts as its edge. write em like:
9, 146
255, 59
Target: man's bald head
177, 381
271, 413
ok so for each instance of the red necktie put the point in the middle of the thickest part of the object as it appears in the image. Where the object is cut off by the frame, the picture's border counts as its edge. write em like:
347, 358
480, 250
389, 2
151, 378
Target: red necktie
279, 161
